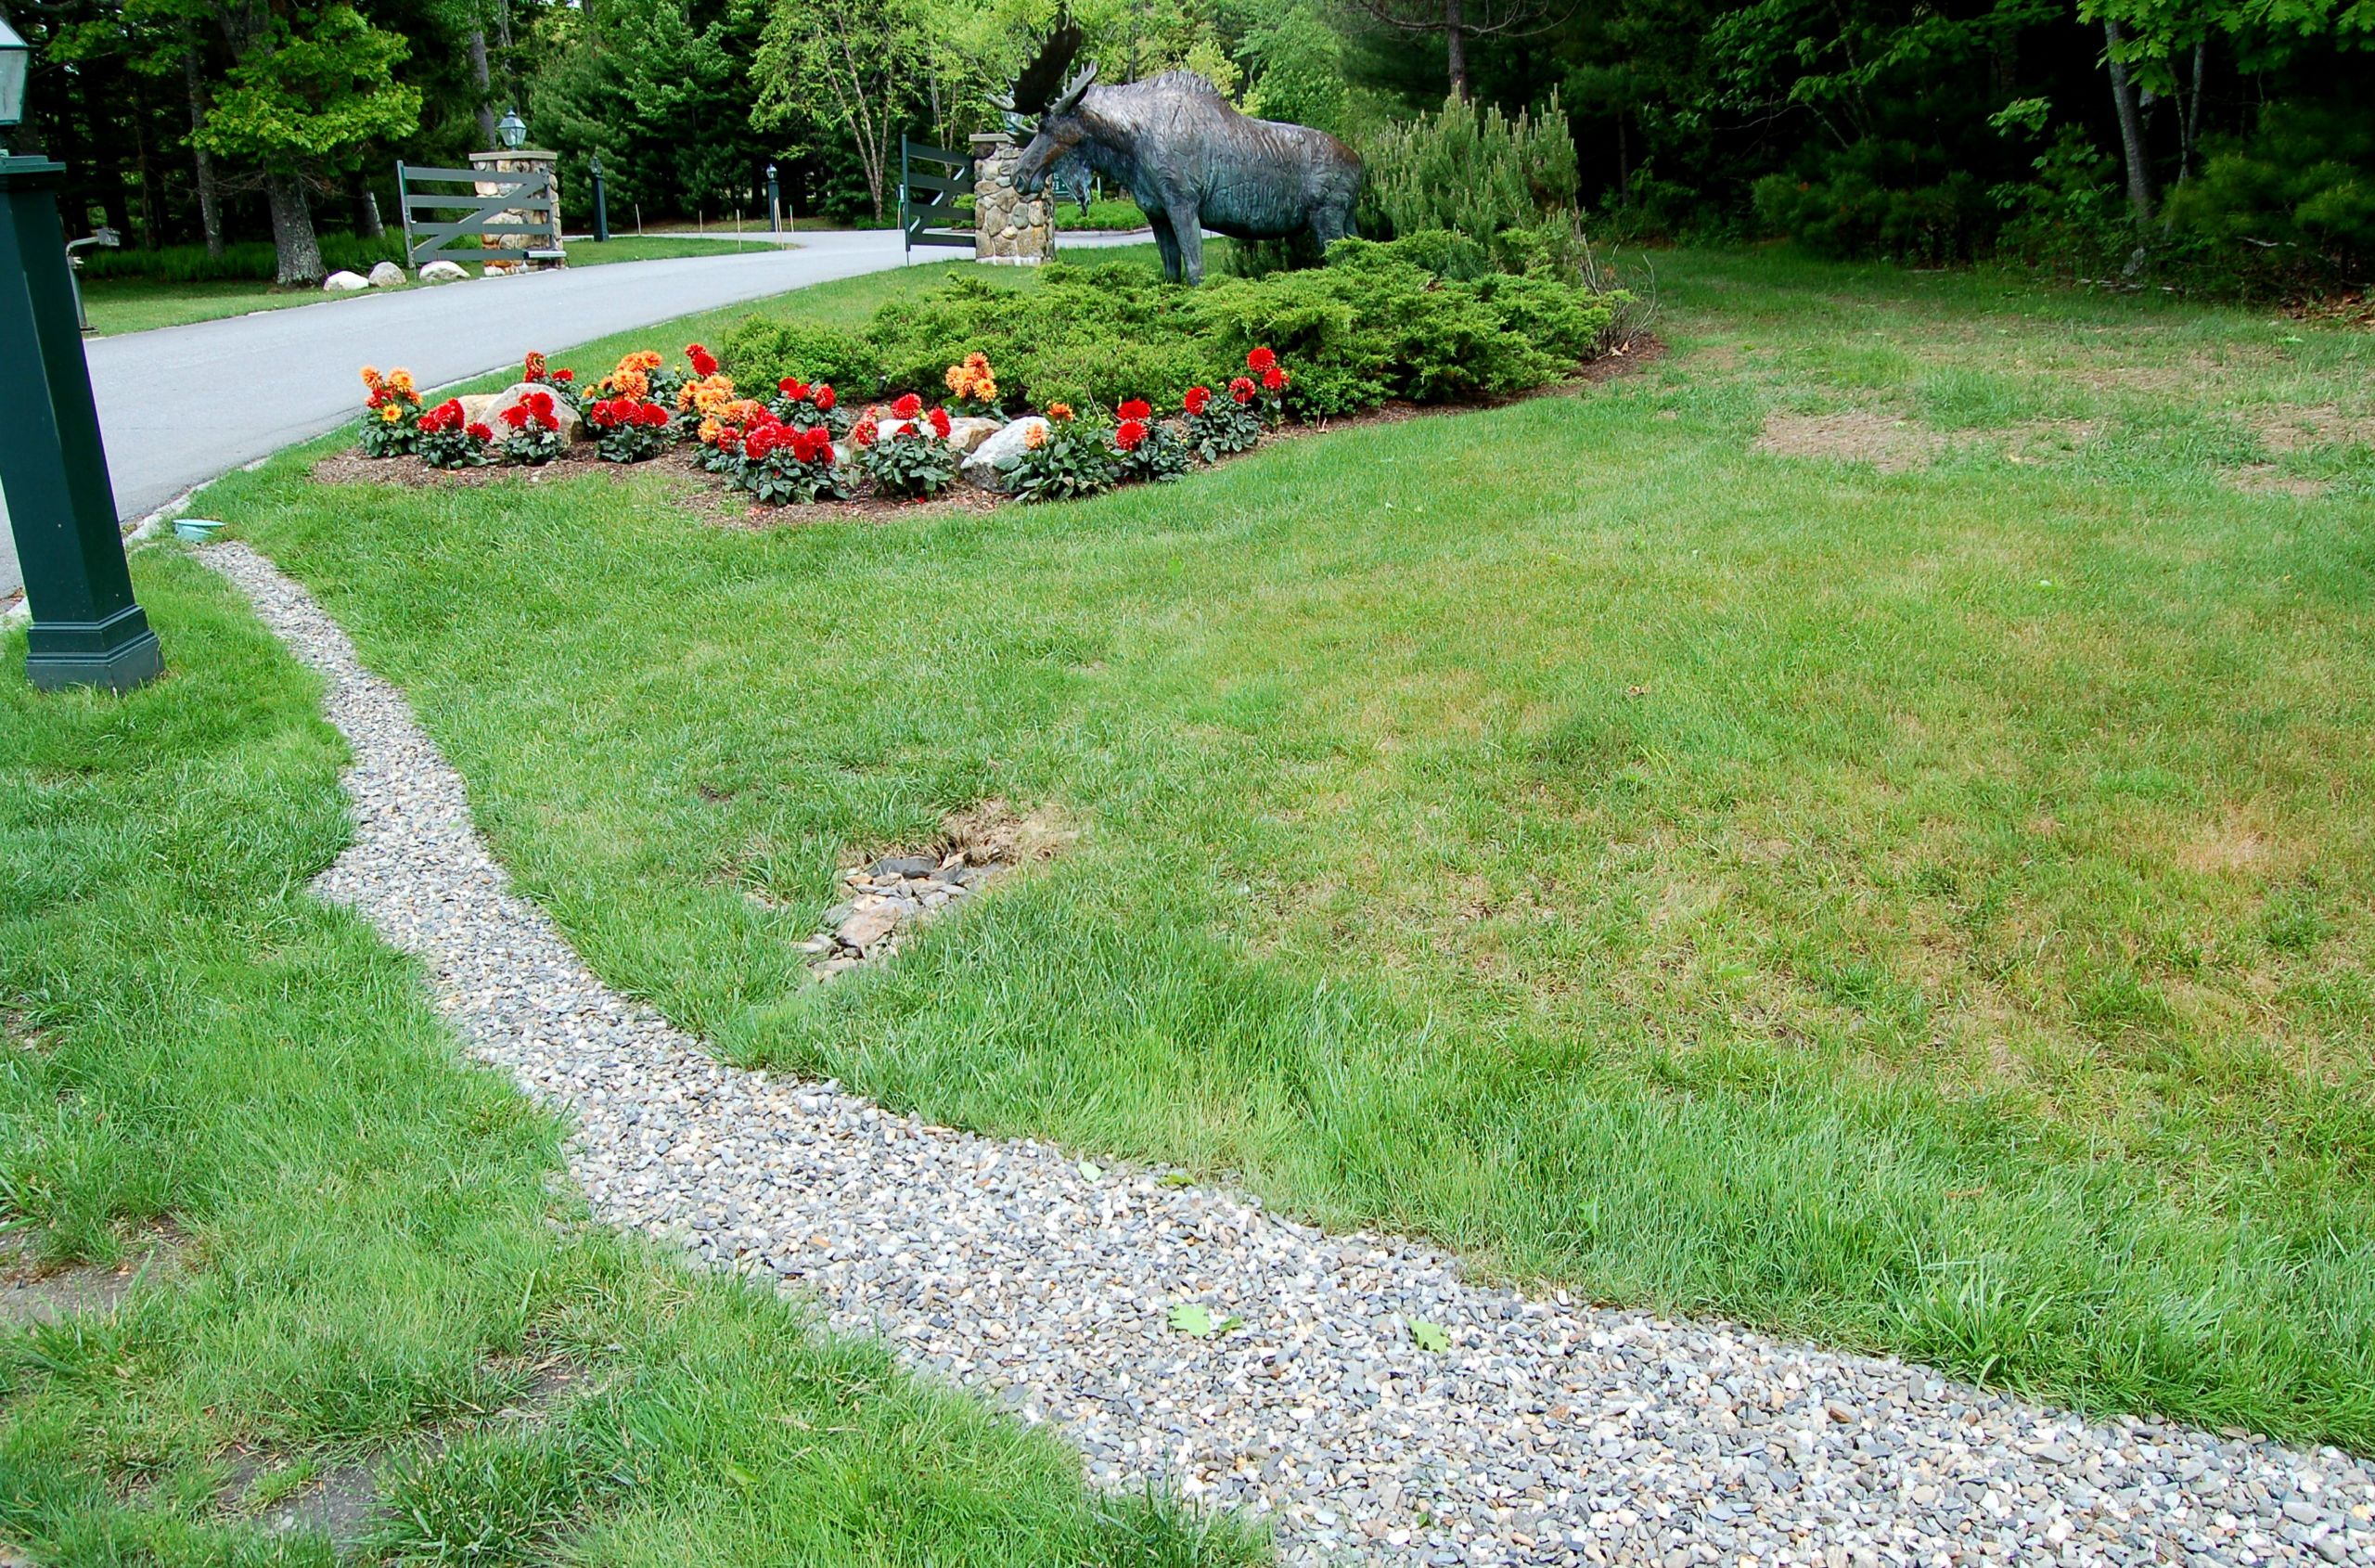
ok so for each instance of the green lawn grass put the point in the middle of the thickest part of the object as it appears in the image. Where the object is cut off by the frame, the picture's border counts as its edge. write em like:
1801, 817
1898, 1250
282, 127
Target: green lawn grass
137, 305
372, 1263
1928, 911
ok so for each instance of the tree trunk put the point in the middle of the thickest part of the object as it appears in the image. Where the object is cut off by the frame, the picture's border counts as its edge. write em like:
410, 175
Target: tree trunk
2192, 121
299, 251
210, 203
2131, 128
1455, 46
480, 80
366, 207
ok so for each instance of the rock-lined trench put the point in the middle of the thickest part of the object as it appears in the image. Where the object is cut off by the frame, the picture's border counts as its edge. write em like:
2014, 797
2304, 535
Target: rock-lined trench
1354, 1388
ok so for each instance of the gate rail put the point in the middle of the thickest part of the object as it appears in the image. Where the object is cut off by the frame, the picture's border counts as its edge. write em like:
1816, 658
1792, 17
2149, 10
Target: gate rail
518, 193
916, 220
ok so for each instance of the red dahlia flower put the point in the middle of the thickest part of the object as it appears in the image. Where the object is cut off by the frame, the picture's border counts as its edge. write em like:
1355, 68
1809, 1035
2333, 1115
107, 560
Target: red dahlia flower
1136, 408
1260, 360
703, 362
863, 432
793, 387
653, 414
1130, 433
516, 416
908, 406
939, 424
564, 375
1196, 399
813, 444
821, 395
541, 403
1274, 380
480, 430
1241, 390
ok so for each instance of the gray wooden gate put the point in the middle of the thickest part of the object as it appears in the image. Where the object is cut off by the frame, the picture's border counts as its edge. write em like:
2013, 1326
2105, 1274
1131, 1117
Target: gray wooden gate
518, 194
941, 193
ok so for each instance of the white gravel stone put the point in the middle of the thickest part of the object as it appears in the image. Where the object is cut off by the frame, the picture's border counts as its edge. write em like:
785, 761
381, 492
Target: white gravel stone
1549, 1431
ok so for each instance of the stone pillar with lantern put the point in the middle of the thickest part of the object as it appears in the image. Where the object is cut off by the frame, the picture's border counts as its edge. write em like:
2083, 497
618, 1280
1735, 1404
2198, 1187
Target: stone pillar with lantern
1007, 225
515, 155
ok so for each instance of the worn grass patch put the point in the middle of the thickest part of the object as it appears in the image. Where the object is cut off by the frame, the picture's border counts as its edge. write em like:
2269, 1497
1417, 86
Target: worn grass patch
1929, 911
379, 1317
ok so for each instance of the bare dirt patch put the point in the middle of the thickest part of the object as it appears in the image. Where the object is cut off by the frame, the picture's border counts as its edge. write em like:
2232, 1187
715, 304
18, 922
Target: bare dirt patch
2286, 429
2042, 441
343, 1499
31, 1295
1883, 441
890, 894
2266, 478
2234, 843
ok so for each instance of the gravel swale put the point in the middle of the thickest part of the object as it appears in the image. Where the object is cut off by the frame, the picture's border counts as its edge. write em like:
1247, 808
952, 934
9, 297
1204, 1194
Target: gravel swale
1539, 1432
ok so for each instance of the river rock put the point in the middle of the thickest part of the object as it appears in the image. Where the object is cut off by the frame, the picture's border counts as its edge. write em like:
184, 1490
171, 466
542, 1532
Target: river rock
487, 408
1002, 445
387, 274
966, 434
344, 283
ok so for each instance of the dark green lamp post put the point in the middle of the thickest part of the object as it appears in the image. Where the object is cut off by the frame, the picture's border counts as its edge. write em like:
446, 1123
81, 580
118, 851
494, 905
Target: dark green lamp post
87, 629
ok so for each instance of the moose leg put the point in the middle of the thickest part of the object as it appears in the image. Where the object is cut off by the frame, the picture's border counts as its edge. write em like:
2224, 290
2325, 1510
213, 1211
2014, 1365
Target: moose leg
1167, 244
1188, 225
1331, 223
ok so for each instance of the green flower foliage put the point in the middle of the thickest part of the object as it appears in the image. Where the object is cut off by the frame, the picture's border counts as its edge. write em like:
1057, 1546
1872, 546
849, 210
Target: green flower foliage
1075, 459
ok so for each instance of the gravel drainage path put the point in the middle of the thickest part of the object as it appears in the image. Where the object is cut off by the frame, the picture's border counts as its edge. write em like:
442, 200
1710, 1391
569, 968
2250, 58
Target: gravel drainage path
1349, 1387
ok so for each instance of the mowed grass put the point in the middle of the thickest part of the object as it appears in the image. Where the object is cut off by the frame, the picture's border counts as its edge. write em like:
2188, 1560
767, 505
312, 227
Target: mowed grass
373, 1262
1923, 910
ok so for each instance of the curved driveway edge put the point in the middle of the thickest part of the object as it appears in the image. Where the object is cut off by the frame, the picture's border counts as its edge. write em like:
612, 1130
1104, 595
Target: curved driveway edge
180, 405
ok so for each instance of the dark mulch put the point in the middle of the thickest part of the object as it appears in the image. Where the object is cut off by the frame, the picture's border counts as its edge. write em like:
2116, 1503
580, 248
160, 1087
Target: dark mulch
732, 509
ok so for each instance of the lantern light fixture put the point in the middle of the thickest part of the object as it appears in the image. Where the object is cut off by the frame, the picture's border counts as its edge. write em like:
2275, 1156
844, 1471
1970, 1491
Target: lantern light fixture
16, 65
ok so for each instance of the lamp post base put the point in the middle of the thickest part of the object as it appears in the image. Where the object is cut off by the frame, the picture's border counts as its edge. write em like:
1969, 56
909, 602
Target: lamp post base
87, 629
118, 653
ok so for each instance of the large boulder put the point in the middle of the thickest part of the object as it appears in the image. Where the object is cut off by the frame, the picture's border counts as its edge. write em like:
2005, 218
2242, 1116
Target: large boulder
487, 408
387, 274
344, 283
1003, 445
966, 434
442, 271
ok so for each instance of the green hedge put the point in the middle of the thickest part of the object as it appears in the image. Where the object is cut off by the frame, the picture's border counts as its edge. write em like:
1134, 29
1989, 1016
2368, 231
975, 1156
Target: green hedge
248, 261
1375, 323
1108, 214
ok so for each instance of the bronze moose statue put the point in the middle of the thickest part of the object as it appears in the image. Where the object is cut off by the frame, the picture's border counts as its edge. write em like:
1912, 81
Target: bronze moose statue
1189, 158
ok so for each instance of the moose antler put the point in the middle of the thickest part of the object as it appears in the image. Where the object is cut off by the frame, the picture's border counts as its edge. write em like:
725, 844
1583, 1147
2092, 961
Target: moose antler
1071, 94
1036, 88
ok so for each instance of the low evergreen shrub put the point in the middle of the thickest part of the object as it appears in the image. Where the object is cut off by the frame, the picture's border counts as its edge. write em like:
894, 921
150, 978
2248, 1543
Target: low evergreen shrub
1423, 318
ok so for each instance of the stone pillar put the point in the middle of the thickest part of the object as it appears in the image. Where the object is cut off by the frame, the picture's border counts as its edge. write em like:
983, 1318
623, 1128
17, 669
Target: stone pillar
525, 161
1007, 225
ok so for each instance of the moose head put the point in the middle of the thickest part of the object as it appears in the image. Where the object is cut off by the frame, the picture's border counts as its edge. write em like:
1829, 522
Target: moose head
1060, 128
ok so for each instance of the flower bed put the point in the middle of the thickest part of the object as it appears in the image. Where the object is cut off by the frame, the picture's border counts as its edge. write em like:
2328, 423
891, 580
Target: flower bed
804, 444
1115, 380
